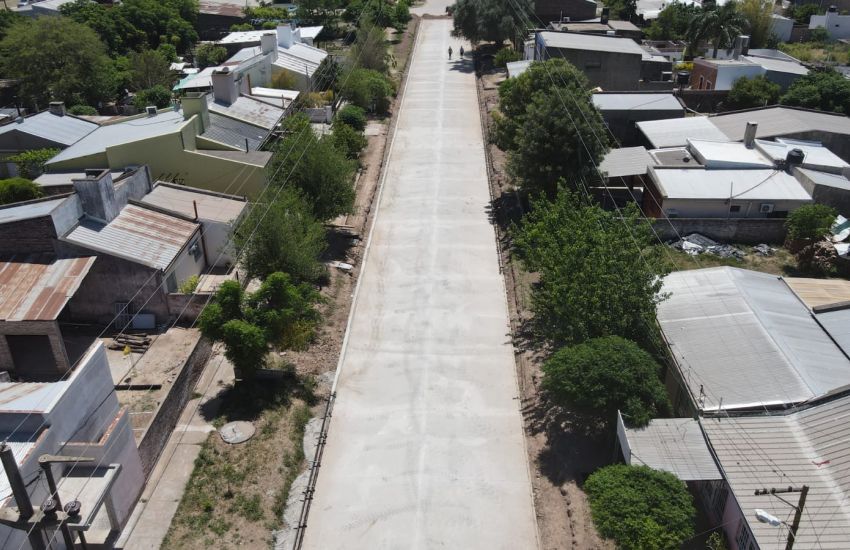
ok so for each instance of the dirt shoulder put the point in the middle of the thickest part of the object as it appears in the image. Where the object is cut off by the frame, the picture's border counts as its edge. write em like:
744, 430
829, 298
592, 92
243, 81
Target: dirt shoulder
560, 455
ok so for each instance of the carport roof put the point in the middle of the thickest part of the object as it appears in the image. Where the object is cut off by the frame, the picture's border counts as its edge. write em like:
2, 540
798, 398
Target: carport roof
37, 288
675, 445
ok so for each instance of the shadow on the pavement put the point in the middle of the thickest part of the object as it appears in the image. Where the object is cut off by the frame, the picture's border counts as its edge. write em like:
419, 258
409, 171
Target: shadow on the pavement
247, 399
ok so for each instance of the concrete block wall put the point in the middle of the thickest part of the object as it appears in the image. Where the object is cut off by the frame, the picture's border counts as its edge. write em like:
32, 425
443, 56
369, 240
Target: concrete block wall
38, 372
741, 230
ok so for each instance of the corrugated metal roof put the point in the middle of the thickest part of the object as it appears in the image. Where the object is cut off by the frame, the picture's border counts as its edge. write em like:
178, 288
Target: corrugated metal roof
300, 58
37, 288
30, 396
747, 340
137, 234
182, 199
778, 65
810, 447
29, 211
22, 443
221, 8
675, 445
779, 121
582, 41
234, 132
64, 130
744, 184
626, 161
675, 132
637, 102
819, 292
258, 113
256, 158
837, 324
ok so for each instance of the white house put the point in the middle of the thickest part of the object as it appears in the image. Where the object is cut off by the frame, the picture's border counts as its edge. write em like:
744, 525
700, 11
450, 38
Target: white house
836, 25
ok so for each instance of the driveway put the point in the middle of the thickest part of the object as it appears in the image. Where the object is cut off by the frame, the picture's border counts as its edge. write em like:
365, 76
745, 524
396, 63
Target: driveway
425, 448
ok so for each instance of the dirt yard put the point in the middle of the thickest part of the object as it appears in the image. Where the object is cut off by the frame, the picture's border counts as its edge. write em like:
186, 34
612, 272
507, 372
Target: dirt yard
561, 453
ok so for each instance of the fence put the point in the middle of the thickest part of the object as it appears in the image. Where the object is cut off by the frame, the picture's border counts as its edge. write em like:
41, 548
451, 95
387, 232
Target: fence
727, 230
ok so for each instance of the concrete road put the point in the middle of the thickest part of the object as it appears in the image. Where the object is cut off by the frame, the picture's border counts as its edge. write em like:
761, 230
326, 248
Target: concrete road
425, 447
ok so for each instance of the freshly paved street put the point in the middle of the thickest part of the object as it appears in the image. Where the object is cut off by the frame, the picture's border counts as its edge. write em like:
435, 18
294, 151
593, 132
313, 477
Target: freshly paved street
425, 448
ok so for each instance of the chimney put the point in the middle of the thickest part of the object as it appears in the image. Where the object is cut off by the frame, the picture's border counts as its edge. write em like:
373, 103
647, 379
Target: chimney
195, 103
57, 108
606, 12
284, 36
268, 43
741, 46
97, 195
225, 87
750, 134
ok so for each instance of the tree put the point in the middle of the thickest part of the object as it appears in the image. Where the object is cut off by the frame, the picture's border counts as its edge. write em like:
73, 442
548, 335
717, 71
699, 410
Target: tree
672, 22
31, 163
282, 236
747, 93
719, 25
599, 276
604, 375
401, 15
369, 90
244, 346
168, 52
640, 508
208, 55
490, 20
283, 309
149, 69
348, 140
802, 13
369, 50
18, 189
116, 32
158, 96
810, 222
56, 58
170, 21
7, 19
353, 116
759, 17
327, 74
825, 90
505, 56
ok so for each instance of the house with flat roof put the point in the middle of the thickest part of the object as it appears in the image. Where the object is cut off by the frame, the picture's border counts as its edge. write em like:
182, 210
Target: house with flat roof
559, 10
721, 74
836, 25
658, 134
622, 111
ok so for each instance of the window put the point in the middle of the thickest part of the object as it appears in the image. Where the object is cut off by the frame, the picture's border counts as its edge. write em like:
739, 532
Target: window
707, 84
735, 208
593, 65
701, 80
745, 538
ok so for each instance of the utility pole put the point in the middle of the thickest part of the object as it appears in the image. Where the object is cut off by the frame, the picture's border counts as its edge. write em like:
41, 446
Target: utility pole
798, 508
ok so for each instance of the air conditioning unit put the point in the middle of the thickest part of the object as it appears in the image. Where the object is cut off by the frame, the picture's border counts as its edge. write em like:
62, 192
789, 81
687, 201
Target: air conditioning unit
151, 110
766, 208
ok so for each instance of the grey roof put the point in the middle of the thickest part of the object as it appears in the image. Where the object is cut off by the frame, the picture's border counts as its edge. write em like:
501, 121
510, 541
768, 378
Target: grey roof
824, 178
30, 210
837, 324
184, 200
742, 184
626, 161
774, 64
138, 234
675, 445
779, 121
637, 102
810, 447
675, 132
746, 339
64, 130
254, 111
516, 68
234, 132
583, 41
299, 58
257, 158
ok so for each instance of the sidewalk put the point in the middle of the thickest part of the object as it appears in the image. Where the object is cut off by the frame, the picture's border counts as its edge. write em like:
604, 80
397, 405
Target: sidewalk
152, 516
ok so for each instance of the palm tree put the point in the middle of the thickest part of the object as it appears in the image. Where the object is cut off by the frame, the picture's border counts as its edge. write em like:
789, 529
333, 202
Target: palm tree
719, 25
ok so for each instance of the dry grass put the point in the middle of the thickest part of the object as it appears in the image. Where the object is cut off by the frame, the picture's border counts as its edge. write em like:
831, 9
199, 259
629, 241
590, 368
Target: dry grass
780, 263
812, 52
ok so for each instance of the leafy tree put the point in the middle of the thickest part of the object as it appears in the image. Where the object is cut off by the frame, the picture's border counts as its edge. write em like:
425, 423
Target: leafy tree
368, 89
284, 80
401, 15
18, 189
759, 17
158, 95
353, 116
109, 22
282, 236
505, 56
208, 55
672, 23
149, 69
244, 346
819, 35
641, 508
348, 140
171, 21
802, 13
624, 10
327, 74
168, 52
826, 90
7, 19
604, 375
810, 222
82, 110
369, 50
241, 27
490, 20
719, 25
317, 12
31, 163
56, 58
758, 91
591, 284
282, 308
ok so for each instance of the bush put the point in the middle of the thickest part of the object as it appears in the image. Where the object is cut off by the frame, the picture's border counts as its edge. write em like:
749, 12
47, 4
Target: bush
17, 190
758, 91
209, 54
810, 222
82, 110
640, 508
505, 56
244, 346
31, 163
284, 80
159, 95
189, 285
353, 116
369, 90
604, 375
348, 140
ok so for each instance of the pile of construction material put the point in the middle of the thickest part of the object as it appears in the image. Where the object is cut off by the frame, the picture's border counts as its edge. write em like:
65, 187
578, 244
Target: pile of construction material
138, 343
696, 244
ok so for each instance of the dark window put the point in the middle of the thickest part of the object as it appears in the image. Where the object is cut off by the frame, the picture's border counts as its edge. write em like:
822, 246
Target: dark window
594, 65
735, 208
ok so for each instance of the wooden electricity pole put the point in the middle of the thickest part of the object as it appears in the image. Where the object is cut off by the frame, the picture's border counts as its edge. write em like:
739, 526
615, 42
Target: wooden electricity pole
798, 508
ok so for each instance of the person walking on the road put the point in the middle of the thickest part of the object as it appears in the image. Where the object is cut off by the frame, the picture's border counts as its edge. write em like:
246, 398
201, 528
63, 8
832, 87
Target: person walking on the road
450, 52
461, 52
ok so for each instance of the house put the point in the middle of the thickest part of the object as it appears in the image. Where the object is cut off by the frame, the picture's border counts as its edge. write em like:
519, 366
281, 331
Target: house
560, 10
837, 26
721, 74
78, 416
599, 25
516, 68
609, 62
50, 129
781, 27
215, 18
48, 7
622, 111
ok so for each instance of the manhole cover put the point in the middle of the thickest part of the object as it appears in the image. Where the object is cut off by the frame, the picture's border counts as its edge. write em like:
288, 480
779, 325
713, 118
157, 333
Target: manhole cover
236, 432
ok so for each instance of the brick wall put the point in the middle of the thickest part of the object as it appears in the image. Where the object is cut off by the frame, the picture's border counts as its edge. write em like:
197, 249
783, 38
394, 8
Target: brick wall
31, 236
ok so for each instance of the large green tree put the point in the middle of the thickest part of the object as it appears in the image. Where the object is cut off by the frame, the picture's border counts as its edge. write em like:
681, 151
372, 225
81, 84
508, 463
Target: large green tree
490, 20
604, 375
672, 23
718, 25
759, 17
149, 69
641, 508
825, 90
119, 35
56, 58
599, 276
747, 93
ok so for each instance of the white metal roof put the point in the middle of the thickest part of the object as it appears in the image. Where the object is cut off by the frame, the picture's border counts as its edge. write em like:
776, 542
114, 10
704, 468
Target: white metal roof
746, 340
675, 132
778, 65
779, 121
197, 81
516, 68
62, 129
311, 32
824, 178
742, 184
810, 447
300, 58
255, 112
243, 37
289, 95
137, 234
626, 161
53, 179
728, 154
816, 155
837, 324
183, 200
637, 102
595, 42
675, 445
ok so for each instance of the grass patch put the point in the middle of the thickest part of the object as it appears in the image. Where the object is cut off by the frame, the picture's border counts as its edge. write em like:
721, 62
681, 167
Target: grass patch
835, 53
780, 263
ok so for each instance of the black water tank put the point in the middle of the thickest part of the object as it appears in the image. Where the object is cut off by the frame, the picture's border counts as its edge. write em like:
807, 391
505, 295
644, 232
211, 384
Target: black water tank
795, 157
606, 13
683, 77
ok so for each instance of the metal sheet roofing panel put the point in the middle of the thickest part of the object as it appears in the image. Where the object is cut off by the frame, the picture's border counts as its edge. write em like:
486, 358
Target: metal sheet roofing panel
816, 155
64, 130
675, 445
746, 340
778, 65
30, 396
37, 288
255, 112
779, 121
675, 132
183, 200
234, 132
29, 211
810, 447
744, 184
582, 41
23, 444
837, 324
825, 178
138, 234
637, 102
300, 58
728, 154
626, 161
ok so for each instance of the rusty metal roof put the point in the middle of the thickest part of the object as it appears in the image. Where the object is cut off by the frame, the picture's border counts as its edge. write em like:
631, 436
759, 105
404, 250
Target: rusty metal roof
138, 234
36, 288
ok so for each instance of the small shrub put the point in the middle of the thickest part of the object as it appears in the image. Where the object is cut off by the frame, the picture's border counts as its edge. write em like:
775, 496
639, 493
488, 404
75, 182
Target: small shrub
812, 221
369, 90
18, 190
31, 163
505, 56
353, 116
348, 140
86, 110
189, 285
284, 80
159, 96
